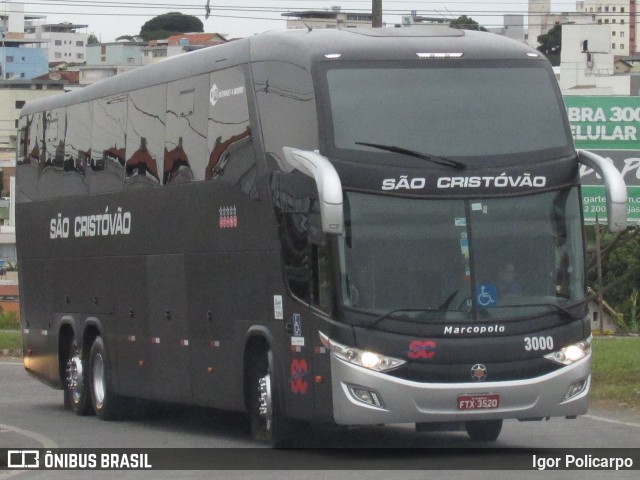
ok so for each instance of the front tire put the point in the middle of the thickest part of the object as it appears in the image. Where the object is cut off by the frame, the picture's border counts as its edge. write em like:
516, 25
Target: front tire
106, 405
77, 396
484, 430
267, 424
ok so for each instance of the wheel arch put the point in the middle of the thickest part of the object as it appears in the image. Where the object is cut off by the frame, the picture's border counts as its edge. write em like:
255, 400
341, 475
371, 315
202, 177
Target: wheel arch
66, 335
92, 329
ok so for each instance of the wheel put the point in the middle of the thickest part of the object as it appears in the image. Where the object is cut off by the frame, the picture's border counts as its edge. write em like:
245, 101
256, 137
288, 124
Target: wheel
76, 389
267, 424
484, 430
106, 405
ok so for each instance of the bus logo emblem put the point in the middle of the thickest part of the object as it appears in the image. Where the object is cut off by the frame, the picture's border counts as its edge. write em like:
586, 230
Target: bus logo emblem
479, 372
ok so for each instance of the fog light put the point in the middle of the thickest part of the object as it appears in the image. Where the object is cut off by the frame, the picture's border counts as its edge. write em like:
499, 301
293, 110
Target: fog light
365, 395
577, 388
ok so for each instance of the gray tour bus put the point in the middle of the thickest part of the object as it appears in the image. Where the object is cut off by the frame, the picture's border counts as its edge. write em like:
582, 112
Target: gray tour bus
351, 227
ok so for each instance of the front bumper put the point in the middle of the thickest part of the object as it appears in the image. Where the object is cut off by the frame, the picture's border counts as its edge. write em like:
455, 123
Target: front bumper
405, 401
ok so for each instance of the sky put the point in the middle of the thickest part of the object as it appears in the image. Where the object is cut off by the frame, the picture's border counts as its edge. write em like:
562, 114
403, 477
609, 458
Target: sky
109, 19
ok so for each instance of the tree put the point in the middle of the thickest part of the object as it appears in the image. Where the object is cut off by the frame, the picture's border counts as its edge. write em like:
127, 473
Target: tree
466, 23
168, 24
93, 39
620, 271
551, 44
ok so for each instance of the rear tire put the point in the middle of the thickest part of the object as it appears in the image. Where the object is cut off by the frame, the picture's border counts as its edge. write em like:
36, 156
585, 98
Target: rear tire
267, 424
106, 405
77, 396
484, 430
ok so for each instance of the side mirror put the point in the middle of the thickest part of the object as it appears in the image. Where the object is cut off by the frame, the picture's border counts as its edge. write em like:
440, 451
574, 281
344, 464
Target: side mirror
615, 188
327, 180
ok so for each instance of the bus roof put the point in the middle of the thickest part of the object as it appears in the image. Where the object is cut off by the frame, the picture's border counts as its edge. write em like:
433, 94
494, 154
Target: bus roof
303, 47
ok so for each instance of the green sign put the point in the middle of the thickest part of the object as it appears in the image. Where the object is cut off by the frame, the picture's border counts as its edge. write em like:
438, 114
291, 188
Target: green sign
604, 123
594, 204
610, 127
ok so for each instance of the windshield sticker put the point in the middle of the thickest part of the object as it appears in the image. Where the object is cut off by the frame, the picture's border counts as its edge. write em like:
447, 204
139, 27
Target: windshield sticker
278, 313
487, 295
476, 206
460, 222
464, 247
297, 325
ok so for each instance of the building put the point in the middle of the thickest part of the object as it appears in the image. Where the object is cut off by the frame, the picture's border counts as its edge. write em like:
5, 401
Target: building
115, 54
158, 50
21, 59
621, 16
105, 60
334, 18
513, 28
7, 208
588, 63
13, 19
13, 95
415, 19
64, 42
541, 20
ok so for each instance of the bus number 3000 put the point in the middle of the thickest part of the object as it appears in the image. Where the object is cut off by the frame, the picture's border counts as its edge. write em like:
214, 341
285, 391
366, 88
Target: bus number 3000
538, 343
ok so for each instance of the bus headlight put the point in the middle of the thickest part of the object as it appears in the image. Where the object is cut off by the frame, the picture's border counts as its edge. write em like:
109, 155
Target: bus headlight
572, 353
362, 358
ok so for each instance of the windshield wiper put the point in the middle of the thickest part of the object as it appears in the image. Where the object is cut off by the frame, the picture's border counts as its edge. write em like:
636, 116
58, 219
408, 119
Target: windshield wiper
401, 310
445, 162
561, 310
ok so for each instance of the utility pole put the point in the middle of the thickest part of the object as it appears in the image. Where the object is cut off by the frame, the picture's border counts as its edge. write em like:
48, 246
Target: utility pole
376, 10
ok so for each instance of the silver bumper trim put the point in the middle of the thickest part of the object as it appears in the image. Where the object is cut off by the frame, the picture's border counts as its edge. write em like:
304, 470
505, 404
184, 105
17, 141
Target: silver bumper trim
407, 401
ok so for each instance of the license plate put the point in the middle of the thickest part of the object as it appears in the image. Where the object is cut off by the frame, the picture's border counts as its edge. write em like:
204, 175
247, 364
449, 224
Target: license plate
485, 401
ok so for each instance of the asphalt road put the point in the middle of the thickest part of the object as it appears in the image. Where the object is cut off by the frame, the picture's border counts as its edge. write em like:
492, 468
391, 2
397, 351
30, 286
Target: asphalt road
32, 416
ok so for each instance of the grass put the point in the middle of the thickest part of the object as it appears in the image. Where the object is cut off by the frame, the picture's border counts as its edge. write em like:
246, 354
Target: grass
10, 339
9, 321
616, 372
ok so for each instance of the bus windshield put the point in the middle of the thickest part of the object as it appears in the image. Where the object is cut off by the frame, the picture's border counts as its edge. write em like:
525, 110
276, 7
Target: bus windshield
453, 109
507, 257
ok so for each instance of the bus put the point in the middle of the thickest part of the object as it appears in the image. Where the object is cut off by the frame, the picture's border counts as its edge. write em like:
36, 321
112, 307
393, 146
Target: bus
353, 227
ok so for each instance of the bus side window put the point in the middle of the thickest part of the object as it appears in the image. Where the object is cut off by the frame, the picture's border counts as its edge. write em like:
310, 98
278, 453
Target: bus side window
26, 165
286, 105
307, 265
78, 138
237, 166
231, 157
146, 120
108, 136
304, 247
185, 139
50, 182
23, 141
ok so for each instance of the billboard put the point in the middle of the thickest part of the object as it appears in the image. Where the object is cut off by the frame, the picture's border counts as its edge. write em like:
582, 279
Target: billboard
610, 127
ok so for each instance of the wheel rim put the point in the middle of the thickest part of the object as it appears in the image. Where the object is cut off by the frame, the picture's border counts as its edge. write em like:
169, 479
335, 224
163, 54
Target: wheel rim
98, 380
75, 378
265, 400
